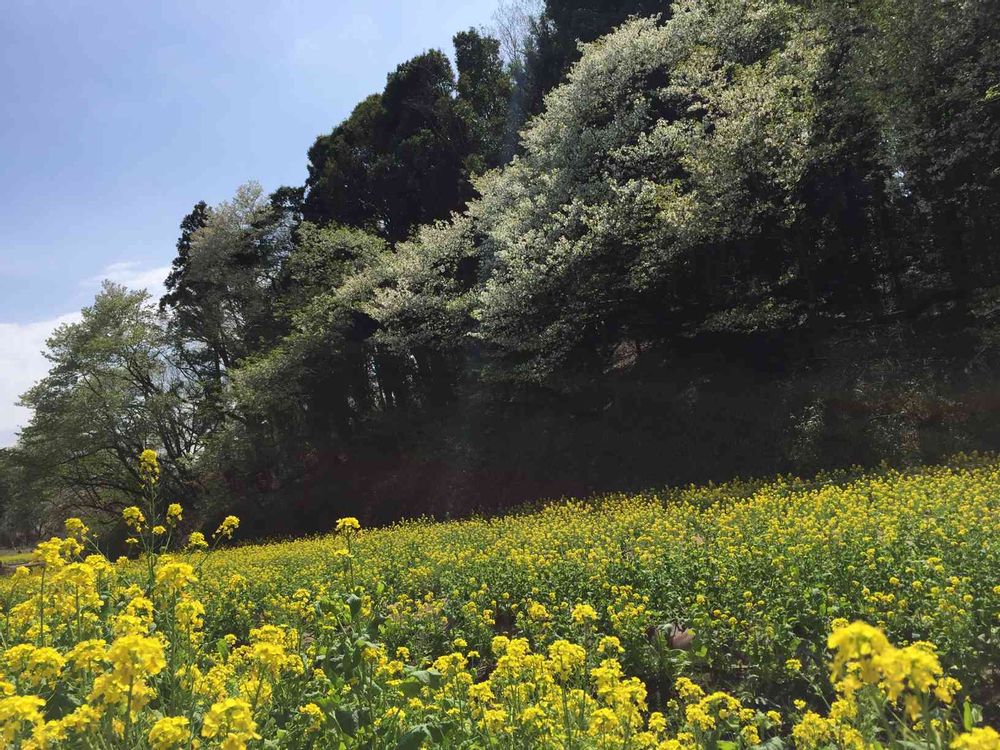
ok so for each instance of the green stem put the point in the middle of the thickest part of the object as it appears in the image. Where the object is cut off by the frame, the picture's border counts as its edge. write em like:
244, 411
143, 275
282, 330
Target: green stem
41, 610
128, 710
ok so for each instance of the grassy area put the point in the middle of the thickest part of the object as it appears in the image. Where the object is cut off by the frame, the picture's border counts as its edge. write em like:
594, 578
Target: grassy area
13, 557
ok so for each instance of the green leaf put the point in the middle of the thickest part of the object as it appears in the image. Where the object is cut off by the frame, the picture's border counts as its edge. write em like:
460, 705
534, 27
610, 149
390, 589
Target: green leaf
411, 688
429, 677
775, 743
436, 733
348, 721
413, 739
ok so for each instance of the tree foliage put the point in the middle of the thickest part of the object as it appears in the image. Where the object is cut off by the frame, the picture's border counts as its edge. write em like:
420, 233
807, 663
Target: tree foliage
750, 235
113, 389
424, 135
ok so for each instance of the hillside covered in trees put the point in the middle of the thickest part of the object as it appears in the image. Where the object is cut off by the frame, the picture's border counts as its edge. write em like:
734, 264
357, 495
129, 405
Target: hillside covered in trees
607, 246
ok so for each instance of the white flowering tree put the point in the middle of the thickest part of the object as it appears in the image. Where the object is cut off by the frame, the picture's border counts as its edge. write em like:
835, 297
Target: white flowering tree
666, 179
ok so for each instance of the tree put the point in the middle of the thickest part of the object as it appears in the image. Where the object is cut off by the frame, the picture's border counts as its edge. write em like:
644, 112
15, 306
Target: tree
24, 512
512, 25
422, 299
113, 389
484, 90
720, 192
408, 141
221, 290
925, 68
552, 46
325, 369
671, 186
404, 157
178, 291
318, 386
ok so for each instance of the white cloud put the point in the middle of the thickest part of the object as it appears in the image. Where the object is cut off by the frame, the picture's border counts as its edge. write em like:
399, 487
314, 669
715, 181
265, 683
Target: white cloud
134, 276
21, 365
21, 361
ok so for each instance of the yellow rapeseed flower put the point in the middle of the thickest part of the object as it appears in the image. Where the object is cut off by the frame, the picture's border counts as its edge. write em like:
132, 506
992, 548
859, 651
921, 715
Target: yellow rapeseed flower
231, 722
149, 467
583, 614
348, 524
175, 513
980, 738
169, 733
227, 527
136, 656
173, 576
134, 517
313, 715
17, 711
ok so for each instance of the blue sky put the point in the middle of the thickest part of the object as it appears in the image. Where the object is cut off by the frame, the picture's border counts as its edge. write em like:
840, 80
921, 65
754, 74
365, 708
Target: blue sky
118, 115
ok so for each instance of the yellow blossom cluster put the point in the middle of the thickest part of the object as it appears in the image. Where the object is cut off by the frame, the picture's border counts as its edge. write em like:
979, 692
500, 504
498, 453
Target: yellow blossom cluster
800, 612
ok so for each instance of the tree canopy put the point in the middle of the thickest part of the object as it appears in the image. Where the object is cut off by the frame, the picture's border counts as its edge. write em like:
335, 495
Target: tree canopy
425, 135
624, 244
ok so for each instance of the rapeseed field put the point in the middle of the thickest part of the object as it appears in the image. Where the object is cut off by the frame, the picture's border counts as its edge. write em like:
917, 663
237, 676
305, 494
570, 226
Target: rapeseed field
832, 613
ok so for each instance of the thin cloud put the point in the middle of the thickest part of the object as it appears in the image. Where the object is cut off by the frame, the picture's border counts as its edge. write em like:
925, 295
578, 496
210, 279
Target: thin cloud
21, 366
132, 275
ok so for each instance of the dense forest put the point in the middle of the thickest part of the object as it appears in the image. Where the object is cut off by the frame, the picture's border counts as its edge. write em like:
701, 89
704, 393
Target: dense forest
602, 246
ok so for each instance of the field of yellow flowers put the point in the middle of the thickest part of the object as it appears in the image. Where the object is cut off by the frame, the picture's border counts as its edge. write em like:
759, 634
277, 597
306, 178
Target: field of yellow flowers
833, 613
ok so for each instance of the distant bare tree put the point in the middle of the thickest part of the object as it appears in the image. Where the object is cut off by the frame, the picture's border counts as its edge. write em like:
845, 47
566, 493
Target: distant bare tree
512, 22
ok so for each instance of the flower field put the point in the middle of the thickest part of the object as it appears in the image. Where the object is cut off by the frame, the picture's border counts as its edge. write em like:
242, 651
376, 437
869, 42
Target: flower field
820, 614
